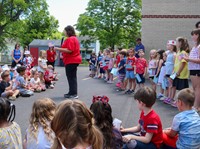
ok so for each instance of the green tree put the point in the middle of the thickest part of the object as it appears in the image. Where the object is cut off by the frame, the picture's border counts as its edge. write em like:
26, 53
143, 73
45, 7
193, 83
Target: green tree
113, 22
25, 20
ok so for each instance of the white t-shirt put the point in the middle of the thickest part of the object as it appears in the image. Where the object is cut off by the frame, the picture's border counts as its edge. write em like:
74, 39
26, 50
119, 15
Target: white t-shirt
42, 62
35, 82
42, 141
27, 61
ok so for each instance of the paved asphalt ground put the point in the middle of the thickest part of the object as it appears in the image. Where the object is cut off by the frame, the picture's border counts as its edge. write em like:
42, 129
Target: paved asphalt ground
124, 106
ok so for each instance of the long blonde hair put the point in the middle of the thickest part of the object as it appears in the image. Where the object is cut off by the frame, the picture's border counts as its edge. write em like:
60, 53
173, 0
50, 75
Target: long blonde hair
42, 114
73, 124
41, 54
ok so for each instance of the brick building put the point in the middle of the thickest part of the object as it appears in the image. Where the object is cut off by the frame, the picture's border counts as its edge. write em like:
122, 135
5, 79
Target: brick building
167, 19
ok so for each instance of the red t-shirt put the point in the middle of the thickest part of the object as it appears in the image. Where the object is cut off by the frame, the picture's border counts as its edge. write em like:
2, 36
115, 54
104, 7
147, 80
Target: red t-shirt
72, 44
117, 60
131, 61
151, 123
141, 64
51, 55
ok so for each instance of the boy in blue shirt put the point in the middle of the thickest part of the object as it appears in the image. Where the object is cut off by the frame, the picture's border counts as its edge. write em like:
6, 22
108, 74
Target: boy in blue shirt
185, 130
122, 70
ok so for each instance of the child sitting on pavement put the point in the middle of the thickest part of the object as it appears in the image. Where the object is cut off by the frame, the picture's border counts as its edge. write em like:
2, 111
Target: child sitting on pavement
22, 85
10, 132
104, 121
39, 133
48, 77
6, 88
35, 82
185, 130
150, 126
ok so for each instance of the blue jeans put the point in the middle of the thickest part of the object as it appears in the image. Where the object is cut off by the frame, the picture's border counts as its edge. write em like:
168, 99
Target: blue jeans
141, 145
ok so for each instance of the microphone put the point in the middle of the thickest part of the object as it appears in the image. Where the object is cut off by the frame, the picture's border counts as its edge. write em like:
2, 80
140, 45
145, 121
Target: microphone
62, 41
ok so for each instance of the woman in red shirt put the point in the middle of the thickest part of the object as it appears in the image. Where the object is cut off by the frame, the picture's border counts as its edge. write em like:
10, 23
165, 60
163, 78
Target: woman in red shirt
72, 58
51, 55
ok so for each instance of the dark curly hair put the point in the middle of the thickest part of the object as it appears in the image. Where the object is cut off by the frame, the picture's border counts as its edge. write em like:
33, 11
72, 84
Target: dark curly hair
104, 121
70, 31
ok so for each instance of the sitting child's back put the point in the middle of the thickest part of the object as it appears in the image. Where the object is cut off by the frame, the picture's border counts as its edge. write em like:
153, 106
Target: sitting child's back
185, 130
187, 123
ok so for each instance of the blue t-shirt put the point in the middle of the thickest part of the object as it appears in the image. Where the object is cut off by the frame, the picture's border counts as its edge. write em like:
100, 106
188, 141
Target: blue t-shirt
138, 47
122, 63
187, 124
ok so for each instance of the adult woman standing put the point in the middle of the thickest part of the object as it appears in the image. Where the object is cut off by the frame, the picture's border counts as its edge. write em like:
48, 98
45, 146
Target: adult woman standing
194, 67
51, 55
17, 56
71, 58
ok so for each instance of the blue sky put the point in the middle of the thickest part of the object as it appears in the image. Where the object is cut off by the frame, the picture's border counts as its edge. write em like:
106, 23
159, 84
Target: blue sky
66, 11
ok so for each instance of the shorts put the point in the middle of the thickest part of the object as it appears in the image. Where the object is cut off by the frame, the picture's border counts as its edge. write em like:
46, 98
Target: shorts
142, 79
121, 77
180, 83
4, 94
151, 77
109, 70
101, 70
195, 73
130, 75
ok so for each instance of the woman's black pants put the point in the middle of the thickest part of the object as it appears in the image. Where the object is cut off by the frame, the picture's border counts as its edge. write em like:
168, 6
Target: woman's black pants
71, 73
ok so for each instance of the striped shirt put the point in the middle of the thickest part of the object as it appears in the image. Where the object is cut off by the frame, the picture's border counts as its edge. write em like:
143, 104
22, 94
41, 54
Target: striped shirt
194, 54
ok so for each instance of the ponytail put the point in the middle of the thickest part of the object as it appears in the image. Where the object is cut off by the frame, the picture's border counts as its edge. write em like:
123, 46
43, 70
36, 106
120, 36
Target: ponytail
96, 138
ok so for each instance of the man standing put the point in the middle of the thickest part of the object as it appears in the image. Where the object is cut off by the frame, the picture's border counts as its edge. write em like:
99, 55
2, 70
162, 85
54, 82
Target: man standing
139, 46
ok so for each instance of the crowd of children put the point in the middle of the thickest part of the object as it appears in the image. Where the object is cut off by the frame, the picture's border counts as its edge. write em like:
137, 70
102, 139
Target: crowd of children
167, 69
25, 79
72, 125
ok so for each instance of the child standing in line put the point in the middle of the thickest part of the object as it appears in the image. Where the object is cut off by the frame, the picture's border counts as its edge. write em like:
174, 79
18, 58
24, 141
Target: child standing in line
152, 67
92, 64
6, 88
180, 68
162, 79
130, 67
39, 133
106, 60
149, 126
110, 67
171, 47
101, 70
158, 69
10, 136
185, 129
141, 67
122, 70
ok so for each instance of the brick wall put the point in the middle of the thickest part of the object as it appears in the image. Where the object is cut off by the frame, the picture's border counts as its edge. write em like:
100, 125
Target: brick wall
164, 20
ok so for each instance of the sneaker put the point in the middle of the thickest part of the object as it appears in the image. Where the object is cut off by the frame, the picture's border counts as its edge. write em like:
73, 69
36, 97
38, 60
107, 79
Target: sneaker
51, 86
12, 98
167, 101
119, 90
66, 95
174, 104
160, 96
127, 92
73, 97
131, 92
